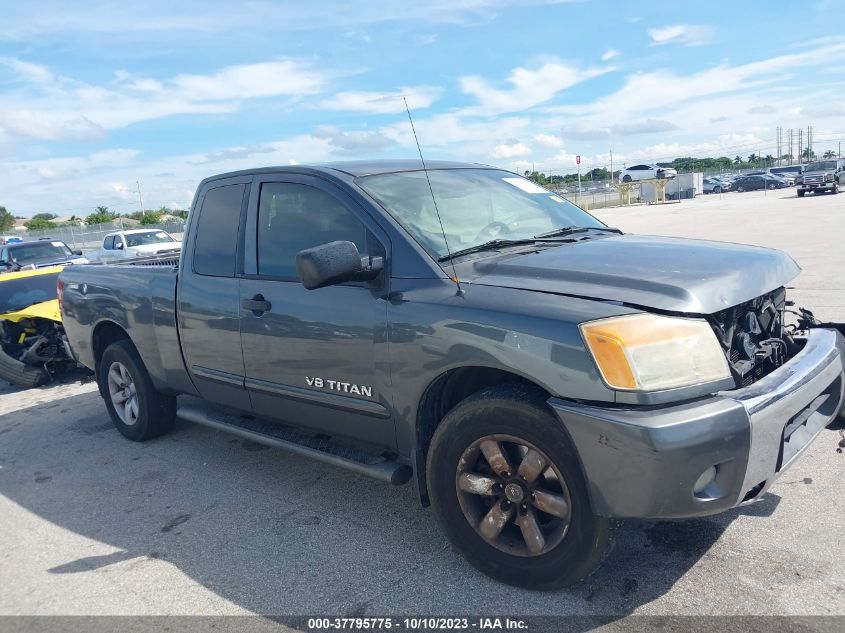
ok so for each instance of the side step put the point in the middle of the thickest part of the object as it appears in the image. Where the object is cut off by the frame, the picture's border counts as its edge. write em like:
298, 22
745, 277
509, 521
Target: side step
277, 435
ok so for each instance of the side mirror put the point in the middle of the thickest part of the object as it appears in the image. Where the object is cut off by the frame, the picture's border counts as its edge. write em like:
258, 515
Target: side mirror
118, 246
335, 263
77, 253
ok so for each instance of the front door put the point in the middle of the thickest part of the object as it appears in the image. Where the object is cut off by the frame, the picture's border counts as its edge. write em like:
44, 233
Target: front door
313, 358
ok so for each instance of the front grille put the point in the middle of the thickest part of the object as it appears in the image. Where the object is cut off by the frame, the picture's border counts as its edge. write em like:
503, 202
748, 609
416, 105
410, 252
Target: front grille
752, 336
813, 180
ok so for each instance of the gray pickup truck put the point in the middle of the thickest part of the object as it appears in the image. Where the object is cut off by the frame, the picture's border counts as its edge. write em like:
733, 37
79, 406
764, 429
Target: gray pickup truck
822, 177
537, 374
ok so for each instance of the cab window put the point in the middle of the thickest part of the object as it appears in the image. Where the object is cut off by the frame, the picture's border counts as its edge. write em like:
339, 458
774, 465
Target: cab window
293, 217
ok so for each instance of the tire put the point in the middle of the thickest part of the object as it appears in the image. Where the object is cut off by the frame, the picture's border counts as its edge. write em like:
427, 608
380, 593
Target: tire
717, 190
626, 178
573, 546
772, 186
20, 374
740, 189
801, 193
153, 413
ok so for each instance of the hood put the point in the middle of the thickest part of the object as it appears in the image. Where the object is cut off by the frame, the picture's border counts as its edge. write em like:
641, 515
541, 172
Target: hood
671, 274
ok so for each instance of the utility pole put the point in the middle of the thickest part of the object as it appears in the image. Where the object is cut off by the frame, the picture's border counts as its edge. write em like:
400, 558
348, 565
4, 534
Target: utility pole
611, 166
140, 199
800, 146
789, 145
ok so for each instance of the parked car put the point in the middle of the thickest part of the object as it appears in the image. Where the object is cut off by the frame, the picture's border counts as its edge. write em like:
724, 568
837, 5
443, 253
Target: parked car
646, 172
33, 346
714, 185
822, 176
136, 243
10, 239
759, 181
449, 326
38, 254
787, 171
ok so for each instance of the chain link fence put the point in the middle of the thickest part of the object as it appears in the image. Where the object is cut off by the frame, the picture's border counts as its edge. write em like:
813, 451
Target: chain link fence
89, 237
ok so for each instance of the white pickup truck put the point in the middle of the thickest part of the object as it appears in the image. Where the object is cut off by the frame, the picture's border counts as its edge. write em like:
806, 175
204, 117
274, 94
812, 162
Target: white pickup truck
136, 243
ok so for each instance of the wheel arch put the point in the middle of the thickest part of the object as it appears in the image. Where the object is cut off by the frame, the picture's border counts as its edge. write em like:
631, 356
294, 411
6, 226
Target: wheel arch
443, 394
104, 334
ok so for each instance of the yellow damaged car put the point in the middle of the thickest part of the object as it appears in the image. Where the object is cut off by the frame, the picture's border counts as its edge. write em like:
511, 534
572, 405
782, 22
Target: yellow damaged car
33, 342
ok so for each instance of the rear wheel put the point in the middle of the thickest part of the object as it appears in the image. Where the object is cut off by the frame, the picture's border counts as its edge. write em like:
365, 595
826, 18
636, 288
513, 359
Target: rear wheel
138, 410
508, 491
626, 178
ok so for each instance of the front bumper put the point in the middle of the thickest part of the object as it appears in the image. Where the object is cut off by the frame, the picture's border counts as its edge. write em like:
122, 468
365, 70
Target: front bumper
817, 186
644, 462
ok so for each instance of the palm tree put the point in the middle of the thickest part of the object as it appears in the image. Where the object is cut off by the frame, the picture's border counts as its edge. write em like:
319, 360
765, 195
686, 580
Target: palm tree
753, 158
101, 209
829, 154
737, 160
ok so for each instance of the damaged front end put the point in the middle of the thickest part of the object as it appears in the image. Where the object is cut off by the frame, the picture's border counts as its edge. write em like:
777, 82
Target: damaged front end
757, 338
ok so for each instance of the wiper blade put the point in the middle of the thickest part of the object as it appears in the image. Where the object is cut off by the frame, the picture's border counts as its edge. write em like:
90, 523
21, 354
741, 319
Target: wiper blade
486, 246
569, 230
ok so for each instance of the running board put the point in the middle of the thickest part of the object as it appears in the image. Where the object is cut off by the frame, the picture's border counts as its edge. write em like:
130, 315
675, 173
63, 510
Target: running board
370, 463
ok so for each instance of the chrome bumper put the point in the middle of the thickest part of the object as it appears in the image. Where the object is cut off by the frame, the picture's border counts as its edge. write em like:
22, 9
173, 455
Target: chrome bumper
644, 462
788, 408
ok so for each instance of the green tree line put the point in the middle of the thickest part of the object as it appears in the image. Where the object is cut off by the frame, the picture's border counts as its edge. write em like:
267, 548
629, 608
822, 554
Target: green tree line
99, 215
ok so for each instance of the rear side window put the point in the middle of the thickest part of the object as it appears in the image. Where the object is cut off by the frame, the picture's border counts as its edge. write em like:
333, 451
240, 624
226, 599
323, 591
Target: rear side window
108, 243
293, 217
217, 231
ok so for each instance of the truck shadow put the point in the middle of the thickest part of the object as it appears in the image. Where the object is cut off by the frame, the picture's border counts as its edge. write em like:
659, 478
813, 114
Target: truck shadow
278, 534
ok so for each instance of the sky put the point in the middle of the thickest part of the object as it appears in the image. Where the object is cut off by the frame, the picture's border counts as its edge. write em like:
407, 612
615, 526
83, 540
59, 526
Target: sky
100, 99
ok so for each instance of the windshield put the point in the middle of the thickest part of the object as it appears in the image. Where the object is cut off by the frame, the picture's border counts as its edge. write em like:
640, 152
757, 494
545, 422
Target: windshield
39, 252
20, 293
821, 166
147, 237
475, 205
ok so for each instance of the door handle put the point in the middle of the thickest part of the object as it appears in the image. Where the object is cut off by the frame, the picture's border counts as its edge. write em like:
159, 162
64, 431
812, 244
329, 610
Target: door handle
257, 305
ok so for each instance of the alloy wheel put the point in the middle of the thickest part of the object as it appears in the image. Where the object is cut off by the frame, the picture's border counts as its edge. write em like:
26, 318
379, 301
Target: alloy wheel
513, 495
123, 394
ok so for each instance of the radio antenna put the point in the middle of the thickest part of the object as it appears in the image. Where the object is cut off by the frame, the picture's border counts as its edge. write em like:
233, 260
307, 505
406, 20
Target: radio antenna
433, 199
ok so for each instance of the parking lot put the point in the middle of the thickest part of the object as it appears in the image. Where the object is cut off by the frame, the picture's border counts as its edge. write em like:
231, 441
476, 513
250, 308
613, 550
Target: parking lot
201, 522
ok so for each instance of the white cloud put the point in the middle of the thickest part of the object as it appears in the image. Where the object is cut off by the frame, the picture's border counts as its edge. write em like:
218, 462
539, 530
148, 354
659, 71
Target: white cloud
53, 108
548, 140
384, 102
247, 81
609, 54
686, 34
510, 150
529, 87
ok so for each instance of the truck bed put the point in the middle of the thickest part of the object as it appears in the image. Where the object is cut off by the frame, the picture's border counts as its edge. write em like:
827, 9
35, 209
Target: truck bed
138, 296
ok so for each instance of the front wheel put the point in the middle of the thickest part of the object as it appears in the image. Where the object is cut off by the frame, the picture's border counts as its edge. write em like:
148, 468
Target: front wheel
740, 188
17, 373
772, 186
801, 193
508, 491
626, 178
138, 410
717, 190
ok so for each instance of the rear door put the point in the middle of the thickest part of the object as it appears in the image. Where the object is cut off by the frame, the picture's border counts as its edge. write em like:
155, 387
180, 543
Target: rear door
314, 358
208, 306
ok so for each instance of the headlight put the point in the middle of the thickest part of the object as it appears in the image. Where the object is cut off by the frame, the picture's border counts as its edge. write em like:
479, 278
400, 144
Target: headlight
799, 180
647, 352
828, 177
